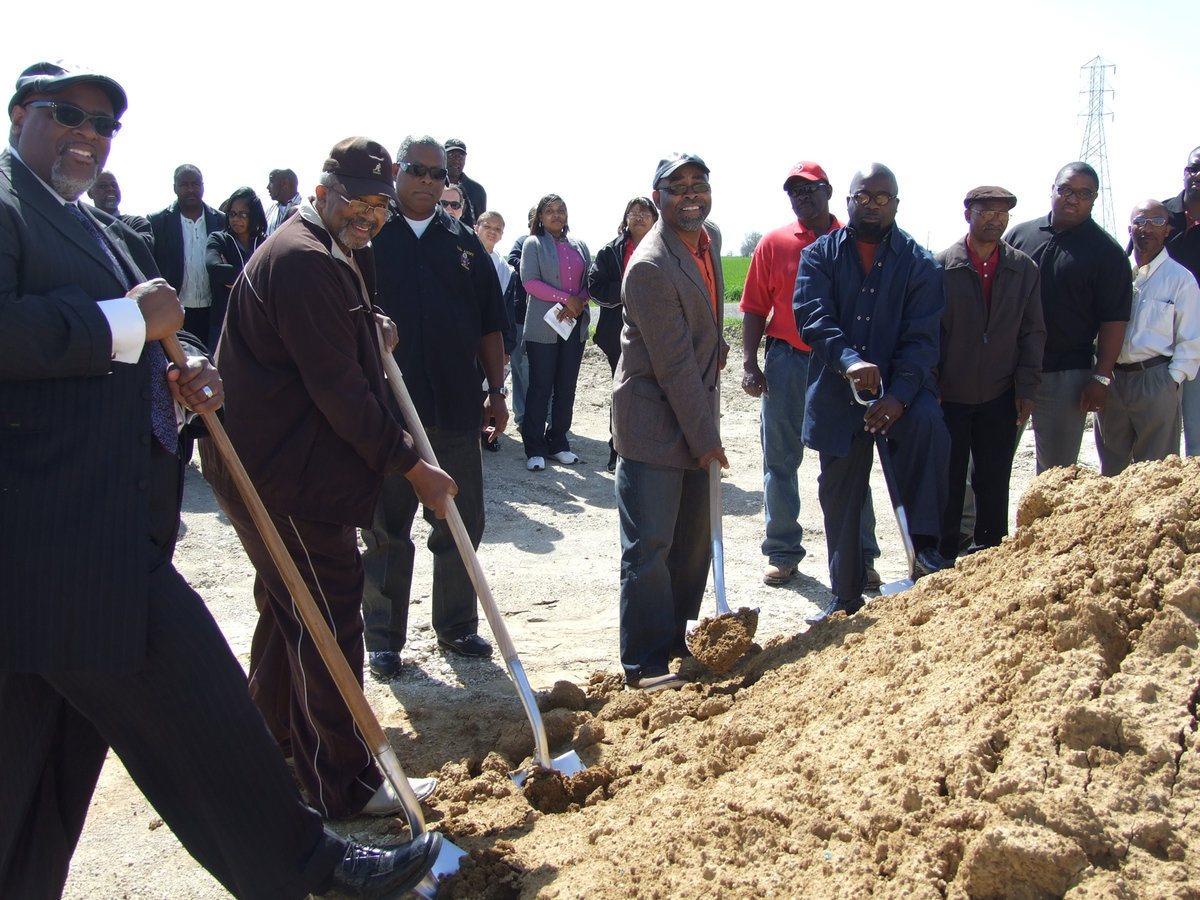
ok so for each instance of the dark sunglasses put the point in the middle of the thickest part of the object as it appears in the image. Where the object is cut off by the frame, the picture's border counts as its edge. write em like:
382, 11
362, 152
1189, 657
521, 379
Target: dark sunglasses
420, 170
452, 204
69, 115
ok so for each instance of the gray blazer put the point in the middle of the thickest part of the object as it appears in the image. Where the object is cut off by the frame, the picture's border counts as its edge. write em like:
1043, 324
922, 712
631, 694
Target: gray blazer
539, 260
664, 390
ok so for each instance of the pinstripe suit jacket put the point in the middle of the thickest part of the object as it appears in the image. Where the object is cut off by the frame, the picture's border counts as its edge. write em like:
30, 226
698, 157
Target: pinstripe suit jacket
75, 442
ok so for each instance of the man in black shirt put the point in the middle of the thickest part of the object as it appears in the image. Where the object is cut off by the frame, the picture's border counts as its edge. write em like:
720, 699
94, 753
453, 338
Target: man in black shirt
439, 285
1086, 297
1184, 247
473, 192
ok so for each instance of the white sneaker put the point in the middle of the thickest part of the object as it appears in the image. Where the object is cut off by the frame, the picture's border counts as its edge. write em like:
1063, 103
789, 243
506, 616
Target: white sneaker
386, 802
535, 464
564, 457
655, 683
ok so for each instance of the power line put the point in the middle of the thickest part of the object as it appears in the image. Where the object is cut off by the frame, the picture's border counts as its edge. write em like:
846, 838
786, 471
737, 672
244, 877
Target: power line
1094, 150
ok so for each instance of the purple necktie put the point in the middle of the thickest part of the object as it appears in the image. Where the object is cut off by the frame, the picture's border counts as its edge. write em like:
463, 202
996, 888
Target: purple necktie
162, 406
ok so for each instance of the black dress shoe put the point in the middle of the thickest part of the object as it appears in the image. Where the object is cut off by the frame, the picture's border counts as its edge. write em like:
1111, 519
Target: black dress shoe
468, 645
384, 664
377, 872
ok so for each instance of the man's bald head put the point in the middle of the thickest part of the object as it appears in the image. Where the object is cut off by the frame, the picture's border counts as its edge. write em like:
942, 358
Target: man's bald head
875, 171
872, 202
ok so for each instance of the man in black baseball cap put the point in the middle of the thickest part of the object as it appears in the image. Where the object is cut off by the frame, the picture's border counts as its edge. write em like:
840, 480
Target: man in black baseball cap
473, 191
104, 643
990, 365
311, 418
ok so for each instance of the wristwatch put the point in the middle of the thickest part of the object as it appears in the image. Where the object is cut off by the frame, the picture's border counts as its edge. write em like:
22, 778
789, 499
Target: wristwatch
502, 391
1103, 379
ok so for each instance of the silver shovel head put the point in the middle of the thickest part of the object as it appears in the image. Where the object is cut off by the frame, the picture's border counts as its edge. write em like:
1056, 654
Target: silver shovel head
448, 860
568, 764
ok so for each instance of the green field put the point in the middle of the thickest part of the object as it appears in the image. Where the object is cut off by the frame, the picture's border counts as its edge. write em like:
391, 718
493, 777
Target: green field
734, 269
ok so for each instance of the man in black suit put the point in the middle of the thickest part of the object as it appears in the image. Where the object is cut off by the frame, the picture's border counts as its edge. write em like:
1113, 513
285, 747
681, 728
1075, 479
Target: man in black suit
180, 237
103, 642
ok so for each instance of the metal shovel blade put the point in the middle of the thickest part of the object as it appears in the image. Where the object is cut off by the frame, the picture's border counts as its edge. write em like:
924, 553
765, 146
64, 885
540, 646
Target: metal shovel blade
568, 764
447, 863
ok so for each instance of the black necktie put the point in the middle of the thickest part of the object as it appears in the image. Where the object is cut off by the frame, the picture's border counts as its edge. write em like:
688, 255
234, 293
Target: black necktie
162, 407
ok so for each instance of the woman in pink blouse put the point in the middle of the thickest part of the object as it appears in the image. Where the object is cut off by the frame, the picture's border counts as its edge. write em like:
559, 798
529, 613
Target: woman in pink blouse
554, 271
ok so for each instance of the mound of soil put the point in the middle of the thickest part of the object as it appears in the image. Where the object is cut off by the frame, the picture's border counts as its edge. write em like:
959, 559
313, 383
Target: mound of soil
720, 641
1023, 726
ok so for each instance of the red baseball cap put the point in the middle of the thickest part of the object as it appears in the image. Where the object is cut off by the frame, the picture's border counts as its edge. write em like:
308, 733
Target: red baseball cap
809, 171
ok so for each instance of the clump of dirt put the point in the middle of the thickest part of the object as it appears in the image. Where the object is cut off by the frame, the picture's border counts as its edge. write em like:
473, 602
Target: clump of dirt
550, 791
484, 874
720, 641
1022, 726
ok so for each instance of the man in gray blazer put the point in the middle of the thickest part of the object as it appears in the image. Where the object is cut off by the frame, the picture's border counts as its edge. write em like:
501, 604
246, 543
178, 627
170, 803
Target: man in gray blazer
665, 421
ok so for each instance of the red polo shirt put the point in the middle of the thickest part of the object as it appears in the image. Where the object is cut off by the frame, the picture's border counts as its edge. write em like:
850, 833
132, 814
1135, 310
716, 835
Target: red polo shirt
986, 269
771, 280
704, 263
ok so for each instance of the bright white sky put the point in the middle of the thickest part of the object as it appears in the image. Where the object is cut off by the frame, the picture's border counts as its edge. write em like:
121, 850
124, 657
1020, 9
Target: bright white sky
583, 99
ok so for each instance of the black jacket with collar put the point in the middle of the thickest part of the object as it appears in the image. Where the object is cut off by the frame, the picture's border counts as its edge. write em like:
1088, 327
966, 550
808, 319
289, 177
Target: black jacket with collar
168, 240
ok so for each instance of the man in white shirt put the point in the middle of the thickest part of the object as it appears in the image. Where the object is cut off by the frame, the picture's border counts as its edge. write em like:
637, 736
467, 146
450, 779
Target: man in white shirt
1141, 419
180, 239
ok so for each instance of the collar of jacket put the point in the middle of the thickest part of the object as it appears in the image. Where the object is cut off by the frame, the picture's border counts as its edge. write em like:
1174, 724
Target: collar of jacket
956, 256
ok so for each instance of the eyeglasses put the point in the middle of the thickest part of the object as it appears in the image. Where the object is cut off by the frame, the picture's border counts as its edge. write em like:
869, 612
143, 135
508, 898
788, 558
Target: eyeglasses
638, 214
805, 188
363, 208
989, 213
1068, 193
237, 215
451, 204
69, 115
879, 198
420, 170
1192, 170
679, 188
1139, 221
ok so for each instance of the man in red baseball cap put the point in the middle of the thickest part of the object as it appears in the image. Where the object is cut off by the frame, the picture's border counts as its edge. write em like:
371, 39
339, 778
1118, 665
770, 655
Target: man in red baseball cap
766, 308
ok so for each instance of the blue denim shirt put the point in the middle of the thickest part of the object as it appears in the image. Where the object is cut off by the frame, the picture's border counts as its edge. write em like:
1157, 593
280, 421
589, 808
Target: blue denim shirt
889, 316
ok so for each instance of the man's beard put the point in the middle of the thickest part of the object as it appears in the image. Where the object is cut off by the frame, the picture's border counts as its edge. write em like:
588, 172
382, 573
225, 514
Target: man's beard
353, 241
70, 188
691, 222
869, 231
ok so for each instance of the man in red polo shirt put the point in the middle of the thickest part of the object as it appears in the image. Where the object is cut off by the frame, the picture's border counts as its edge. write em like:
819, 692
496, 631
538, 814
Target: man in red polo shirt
767, 308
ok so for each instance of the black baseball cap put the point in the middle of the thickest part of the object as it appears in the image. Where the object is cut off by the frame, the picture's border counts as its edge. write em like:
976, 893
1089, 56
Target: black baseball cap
673, 162
52, 77
364, 166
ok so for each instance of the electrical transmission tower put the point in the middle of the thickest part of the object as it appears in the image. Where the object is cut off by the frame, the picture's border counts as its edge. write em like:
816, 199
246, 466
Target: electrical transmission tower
1093, 149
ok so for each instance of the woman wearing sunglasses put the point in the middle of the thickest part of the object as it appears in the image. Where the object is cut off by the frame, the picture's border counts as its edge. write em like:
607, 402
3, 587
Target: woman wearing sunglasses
554, 272
604, 284
229, 250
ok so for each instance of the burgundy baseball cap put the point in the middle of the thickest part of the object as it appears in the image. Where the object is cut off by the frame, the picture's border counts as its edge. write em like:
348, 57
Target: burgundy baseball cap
52, 77
364, 166
808, 171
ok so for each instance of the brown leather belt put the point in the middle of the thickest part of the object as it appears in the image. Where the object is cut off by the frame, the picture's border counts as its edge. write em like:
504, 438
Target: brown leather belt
1144, 364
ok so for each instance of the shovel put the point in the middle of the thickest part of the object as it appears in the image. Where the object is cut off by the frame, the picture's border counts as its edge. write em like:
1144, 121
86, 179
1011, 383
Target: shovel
720, 642
889, 477
447, 862
569, 763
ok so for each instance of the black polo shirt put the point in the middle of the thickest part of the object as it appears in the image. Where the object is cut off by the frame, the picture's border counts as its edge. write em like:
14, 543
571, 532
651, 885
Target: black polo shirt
1184, 246
1086, 280
443, 293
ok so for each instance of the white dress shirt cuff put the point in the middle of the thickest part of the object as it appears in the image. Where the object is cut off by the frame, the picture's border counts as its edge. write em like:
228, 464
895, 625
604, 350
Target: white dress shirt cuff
127, 326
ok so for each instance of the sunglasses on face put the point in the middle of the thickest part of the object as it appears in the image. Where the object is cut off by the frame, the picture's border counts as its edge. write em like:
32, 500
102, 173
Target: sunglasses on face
362, 208
69, 115
451, 204
879, 198
679, 188
1139, 221
420, 170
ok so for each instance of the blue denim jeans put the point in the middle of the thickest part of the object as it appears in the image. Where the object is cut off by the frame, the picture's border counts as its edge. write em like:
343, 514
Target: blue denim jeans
786, 370
665, 553
519, 364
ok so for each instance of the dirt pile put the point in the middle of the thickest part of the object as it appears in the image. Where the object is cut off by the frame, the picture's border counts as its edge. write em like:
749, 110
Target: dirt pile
720, 641
1024, 727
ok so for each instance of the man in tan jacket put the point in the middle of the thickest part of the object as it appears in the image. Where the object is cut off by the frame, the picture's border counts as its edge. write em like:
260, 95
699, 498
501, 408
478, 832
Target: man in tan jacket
665, 421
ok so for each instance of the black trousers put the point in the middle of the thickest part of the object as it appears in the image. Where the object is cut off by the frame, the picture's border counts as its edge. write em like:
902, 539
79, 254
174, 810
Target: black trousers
919, 448
988, 432
190, 738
